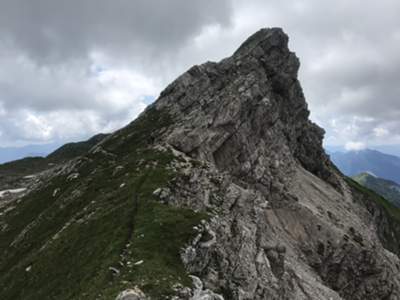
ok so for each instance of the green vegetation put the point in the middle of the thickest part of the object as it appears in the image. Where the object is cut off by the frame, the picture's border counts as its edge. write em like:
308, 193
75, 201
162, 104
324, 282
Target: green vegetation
385, 215
72, 150
83, 242
390, 190
23, 166
389, 207
30, 165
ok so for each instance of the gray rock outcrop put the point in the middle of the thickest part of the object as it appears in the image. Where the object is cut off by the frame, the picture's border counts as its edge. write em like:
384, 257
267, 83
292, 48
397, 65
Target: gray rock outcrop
132, 294
270, 217
285, 224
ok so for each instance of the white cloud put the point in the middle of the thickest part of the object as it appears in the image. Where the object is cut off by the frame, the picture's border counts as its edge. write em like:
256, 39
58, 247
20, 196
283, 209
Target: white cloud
380, 132
355, 146
95, 73
68, 102
73, 69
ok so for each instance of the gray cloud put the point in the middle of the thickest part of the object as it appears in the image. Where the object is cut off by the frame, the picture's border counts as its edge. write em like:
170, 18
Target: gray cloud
49, 30
350, 65
84, 66
71, 68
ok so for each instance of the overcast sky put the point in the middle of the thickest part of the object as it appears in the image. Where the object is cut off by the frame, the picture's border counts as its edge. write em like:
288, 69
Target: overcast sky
70, 69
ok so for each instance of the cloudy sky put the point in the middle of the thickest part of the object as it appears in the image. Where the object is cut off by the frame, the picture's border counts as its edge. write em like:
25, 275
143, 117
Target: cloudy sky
70, 69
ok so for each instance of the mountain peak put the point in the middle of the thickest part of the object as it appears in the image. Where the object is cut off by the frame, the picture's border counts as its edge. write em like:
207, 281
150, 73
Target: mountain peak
249, 102
270, 45
224, 177
382, 165
265, 39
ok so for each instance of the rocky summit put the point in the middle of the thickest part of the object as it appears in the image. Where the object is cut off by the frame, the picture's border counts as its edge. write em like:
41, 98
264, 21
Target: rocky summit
219, 190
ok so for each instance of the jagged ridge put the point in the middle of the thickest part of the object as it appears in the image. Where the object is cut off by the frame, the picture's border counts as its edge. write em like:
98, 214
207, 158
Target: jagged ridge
228, 143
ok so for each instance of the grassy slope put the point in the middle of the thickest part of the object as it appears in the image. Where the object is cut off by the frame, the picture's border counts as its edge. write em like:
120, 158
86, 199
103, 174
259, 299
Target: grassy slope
72, 150
385, 215
107, 226
23, 166
30, 165
393, 211
386, 188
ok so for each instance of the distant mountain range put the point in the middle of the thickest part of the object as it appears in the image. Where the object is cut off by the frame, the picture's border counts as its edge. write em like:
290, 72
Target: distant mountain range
13, 153
54, 150
386, 188
388, 149
381, 165
24, 167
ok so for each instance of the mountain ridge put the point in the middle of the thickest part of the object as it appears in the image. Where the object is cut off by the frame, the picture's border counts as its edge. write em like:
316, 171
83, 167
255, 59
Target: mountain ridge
8, 154
382, 165
387, 188
19, 173
223, 181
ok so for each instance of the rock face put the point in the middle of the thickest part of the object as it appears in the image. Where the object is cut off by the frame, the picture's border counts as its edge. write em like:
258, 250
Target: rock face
131, 294
231, 139
286, 225
246, 109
